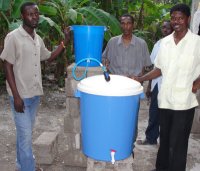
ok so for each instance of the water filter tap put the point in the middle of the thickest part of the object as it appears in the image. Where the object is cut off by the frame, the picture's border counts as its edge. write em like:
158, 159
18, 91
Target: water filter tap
112, 153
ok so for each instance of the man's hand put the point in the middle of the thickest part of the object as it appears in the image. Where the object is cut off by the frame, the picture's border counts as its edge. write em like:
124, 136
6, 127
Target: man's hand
18, 102
106, 63
19, 105
136, 78
196, 85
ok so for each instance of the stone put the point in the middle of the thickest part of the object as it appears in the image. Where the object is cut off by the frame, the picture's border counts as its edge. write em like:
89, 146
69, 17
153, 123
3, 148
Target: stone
73, 107
120, 165
73, 141
46, 147
70, 87
75, 158
72, 125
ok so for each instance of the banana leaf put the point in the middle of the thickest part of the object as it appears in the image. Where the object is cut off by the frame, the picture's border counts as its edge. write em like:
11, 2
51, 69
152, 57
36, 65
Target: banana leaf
5, 5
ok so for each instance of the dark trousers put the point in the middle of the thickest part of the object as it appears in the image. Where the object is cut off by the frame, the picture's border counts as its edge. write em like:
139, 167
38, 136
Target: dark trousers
152, 131
175, 127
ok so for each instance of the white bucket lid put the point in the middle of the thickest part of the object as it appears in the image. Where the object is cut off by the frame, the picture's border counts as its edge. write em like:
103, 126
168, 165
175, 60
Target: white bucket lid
117, 86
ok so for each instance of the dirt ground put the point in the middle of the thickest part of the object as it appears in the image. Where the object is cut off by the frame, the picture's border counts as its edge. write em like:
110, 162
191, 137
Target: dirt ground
50, 118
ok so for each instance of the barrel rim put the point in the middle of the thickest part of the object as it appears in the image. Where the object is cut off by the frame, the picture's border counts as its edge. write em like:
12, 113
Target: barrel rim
126, 92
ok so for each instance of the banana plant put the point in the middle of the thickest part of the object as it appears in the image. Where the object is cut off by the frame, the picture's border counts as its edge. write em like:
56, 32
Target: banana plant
75, 12
148, 16
71, 12
10, 12
4, 20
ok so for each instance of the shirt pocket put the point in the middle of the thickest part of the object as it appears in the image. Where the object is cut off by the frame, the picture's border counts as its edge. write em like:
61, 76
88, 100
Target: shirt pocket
185, 62
185, 69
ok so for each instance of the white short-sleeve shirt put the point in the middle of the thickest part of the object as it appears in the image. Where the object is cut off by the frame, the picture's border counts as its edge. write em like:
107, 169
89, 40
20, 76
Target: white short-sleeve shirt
180, 66
153, 57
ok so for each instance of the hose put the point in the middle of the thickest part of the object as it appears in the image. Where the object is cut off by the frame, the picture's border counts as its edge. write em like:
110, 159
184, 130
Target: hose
88, 60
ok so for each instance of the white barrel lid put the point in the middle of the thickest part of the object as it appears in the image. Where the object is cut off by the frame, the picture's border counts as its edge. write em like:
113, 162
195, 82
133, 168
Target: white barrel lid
117, 86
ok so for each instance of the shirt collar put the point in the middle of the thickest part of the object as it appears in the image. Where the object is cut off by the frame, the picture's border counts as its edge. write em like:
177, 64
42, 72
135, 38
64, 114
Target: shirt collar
186, 37
120, 41
23, 32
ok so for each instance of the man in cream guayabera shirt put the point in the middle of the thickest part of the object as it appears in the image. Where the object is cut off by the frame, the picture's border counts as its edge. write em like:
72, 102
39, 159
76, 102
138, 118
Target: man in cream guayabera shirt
178, 61
22, 53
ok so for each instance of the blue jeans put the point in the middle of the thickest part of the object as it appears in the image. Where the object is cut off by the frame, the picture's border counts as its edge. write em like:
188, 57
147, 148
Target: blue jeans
152, 131
24, 123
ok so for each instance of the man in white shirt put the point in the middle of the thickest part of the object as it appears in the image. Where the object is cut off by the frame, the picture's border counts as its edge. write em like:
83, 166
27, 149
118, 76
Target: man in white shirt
178, 61
152, 131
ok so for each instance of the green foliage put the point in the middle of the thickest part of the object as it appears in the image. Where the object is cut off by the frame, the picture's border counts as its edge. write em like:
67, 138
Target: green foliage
66, 13
148, 18
61, 81
58, 14
5, 5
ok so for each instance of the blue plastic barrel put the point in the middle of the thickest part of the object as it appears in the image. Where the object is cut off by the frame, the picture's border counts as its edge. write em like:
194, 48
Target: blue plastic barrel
88, 43
109, 112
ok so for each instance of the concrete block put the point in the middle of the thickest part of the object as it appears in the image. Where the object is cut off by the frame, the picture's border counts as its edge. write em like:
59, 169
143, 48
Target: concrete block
75, 158
70, 86
73, 141
46, 147
121, 165
196, 122
73, 107
72, 125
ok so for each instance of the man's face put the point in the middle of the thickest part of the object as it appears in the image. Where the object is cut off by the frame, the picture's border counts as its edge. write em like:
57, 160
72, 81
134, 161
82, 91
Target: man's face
179, 21
126, 25
30, 16
166, 28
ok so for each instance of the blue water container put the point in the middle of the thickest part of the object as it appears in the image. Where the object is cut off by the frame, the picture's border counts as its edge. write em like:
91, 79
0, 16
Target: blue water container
88, 43
109, 113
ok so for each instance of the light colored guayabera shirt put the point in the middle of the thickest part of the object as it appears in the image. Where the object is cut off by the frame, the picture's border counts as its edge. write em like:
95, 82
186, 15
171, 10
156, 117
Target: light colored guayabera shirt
25, 53
180, 66
128, 60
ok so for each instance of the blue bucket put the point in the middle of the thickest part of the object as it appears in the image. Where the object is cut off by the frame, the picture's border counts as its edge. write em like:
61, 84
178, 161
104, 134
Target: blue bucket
88, 43
109, 114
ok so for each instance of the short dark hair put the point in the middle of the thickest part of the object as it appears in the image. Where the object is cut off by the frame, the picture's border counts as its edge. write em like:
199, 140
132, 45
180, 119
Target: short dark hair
185, 9
128, 15
25, 4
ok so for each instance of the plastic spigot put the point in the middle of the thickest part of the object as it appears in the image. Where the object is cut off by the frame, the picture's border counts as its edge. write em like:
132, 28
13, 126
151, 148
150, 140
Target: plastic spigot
112, 153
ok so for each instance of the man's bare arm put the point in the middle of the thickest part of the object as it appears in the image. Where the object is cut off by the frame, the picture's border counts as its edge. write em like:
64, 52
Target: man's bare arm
18, 102
156, 72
